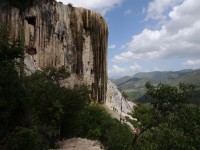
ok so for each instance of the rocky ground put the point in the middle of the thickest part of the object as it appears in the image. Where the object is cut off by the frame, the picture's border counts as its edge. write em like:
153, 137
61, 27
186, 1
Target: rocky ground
80, 144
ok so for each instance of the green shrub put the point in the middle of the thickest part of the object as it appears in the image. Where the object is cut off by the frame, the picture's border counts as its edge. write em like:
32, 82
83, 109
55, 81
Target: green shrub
95, 123
170, 122
74, 101
26, 139
116, 136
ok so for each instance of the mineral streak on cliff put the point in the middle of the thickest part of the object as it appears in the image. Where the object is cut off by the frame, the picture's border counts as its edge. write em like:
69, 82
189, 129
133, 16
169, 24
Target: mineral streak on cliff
57, 35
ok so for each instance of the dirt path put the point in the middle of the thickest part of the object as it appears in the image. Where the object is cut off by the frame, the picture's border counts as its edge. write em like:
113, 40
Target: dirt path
80, 144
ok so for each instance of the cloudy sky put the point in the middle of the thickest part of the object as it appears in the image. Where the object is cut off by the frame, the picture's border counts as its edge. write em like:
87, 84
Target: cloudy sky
149, 35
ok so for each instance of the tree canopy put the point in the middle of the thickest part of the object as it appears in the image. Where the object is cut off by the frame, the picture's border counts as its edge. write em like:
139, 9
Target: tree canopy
170, 121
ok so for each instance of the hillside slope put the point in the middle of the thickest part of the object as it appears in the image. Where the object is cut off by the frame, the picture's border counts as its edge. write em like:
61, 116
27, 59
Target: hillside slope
134, 86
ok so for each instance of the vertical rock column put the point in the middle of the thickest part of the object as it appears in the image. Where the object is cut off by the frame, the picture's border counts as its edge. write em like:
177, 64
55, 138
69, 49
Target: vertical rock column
96, 27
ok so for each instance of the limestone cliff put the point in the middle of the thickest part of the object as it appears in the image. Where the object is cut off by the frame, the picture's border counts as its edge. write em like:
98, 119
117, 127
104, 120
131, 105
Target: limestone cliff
116, 102
118, 106
57, 35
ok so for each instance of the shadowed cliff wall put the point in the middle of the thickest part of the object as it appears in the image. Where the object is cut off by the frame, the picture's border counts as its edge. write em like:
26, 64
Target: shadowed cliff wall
57, 35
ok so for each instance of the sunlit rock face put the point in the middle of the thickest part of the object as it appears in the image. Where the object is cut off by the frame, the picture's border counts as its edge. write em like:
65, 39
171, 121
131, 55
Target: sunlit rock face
61, 35
116, 102
118, 107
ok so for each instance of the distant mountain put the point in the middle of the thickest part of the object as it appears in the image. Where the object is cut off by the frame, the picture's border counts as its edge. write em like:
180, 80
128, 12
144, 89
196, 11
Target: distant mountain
192, 77
162, 74
115, 77
134, 86
186, 70
149, 75
130, 83
168, 77
120, 80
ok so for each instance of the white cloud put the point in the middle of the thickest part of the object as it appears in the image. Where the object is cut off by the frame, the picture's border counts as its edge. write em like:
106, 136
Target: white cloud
102, 6
128, 12
112, 46
192, 62
157, 8
178, 37
122, 71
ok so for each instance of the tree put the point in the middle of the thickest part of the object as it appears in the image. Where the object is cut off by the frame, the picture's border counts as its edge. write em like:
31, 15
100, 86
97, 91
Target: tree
170, 122
96, 123
124, 95
74, 103
44, 92
25, 138
11, 89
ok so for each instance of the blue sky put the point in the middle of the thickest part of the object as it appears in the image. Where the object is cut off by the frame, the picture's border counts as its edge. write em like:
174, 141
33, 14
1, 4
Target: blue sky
149, 35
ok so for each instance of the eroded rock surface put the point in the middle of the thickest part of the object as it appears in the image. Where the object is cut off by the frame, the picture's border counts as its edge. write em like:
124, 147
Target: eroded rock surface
116, 102
118, 106
56, 34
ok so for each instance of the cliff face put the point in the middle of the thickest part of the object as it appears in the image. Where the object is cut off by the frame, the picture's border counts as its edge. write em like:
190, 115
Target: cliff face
118, 106
57, 35
116, 102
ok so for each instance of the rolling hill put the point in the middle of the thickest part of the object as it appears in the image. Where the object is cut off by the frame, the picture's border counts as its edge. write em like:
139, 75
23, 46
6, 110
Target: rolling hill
134, 86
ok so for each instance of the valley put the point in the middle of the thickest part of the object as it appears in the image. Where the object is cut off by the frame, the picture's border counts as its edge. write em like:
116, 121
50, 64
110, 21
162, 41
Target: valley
134, 86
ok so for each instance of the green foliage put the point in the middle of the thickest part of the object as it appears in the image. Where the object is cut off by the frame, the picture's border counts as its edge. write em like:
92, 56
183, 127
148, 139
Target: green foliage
34, 105
125, 96
144, 115
11, 89
117, 136
136, 95
74, 102
90, 120
95, 123
9, 52
55, 107
26, 139
171, 122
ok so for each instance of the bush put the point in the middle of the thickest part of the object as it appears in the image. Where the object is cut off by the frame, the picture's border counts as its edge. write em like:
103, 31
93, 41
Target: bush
73, 103
170, 122
26, 139
95, 123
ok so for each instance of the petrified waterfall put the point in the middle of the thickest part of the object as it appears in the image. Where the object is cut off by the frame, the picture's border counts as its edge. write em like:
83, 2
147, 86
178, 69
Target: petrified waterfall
61, 35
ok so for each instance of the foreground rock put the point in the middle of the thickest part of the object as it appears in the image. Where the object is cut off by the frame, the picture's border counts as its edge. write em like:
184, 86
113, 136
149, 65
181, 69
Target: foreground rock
80, 144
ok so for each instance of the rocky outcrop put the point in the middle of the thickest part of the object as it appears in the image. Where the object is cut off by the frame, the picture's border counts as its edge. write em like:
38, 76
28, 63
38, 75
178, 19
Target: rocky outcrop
116, 103
61, 35
118, 107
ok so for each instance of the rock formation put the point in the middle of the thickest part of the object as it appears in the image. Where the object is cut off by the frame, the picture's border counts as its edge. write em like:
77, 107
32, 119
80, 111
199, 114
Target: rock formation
61, 35
118, 107
116, 102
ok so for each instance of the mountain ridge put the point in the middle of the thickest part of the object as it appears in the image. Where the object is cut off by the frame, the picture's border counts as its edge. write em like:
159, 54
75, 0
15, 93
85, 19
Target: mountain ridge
134, 86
